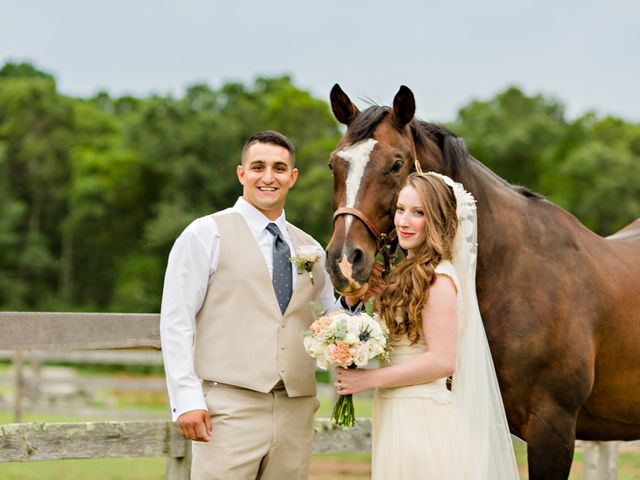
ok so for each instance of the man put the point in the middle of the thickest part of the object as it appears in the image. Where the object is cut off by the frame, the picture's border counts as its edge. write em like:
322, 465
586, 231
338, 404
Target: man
234, 311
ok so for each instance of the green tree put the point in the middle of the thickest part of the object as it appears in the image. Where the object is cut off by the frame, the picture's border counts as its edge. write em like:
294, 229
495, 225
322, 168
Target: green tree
515, 135
599, 180
588, 166
35, 137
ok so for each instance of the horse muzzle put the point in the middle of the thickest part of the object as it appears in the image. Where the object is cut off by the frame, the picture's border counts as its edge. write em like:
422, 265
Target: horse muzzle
349, 269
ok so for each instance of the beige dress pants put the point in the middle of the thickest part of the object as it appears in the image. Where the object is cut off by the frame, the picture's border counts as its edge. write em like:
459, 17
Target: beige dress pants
255, 435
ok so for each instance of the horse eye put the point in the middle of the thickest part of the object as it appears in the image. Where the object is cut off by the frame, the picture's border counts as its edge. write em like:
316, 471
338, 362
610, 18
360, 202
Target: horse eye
396, 167
330, 166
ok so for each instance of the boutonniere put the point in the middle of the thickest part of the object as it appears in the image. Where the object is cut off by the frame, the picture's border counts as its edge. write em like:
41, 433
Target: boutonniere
306, 258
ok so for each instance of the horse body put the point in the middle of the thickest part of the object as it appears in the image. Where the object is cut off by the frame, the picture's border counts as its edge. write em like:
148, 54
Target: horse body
560, 304
612, 411
569, 296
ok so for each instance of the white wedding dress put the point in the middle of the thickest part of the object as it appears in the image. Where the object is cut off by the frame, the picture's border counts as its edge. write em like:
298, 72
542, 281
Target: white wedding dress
427, 431
418, 431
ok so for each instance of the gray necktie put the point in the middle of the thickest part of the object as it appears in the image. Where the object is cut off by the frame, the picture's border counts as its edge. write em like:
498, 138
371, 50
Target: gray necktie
282, 281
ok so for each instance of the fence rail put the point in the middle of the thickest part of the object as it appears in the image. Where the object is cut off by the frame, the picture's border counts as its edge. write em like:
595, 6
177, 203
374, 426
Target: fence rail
78, 331
25, 331
56, 441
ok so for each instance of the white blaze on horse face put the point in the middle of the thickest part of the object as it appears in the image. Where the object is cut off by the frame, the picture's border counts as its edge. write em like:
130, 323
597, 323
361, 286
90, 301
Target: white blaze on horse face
357, 156
354, 287
346, 269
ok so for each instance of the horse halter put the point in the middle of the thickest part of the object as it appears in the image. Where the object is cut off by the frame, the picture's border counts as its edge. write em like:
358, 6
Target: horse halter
385, 241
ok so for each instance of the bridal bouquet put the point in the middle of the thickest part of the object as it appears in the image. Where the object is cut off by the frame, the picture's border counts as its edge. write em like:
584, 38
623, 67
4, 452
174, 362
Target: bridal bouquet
347, 341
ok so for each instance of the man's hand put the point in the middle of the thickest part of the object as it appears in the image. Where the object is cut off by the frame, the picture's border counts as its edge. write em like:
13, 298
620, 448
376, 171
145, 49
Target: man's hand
195, 425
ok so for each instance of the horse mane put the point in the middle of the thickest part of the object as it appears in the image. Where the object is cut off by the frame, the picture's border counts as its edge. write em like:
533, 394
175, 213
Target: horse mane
453, 148
455, 153
365, 123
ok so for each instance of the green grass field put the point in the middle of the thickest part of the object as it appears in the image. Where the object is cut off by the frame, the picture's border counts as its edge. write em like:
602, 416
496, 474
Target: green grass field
90, 469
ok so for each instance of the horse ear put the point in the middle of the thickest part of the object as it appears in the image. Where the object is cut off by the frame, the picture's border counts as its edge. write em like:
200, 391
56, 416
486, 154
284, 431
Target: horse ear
404, 106
343, 109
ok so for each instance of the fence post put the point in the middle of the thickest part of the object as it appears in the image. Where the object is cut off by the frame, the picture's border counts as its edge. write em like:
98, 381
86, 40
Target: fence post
179, 460
18, 367
600, 460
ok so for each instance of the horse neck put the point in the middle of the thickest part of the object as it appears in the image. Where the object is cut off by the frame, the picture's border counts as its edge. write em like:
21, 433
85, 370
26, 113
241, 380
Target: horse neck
501, 209
499, 206
488, 188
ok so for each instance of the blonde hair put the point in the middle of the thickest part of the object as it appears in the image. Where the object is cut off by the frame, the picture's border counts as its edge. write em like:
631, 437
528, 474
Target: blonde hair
407, 290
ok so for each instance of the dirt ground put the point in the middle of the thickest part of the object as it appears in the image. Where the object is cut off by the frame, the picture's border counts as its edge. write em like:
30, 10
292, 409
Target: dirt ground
339, 469
332, 469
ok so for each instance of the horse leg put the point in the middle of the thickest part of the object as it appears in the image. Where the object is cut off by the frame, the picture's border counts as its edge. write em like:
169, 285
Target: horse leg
550, 435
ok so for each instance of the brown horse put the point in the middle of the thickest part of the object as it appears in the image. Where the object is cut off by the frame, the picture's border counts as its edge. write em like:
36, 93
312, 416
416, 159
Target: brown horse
560, 304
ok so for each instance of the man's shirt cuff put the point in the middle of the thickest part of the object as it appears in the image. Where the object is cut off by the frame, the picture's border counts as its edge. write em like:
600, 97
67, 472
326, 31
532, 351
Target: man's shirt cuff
186, 401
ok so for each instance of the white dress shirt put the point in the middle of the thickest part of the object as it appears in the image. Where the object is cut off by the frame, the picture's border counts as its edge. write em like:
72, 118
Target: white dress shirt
192, 265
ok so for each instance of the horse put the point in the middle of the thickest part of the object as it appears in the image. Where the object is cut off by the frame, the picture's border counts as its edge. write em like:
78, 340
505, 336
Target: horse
560, 304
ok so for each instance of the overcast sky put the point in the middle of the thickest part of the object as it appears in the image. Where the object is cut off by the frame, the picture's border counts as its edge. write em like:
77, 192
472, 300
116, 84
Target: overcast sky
585, 53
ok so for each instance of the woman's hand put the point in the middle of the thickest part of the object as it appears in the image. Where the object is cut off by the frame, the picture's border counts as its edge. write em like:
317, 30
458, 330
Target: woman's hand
354, 380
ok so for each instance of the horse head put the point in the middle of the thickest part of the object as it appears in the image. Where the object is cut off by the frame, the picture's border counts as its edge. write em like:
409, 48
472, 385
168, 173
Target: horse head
369, 165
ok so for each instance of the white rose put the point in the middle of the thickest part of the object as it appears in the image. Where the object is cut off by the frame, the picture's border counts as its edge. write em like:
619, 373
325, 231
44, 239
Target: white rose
322, 363
309, 253
353, 325
313, 347
307, 342
336, 320
375, 350
318, 349
351, 338
322, 335
361, 356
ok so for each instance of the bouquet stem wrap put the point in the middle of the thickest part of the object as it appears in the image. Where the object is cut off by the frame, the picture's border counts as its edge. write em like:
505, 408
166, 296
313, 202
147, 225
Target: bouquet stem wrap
343, 413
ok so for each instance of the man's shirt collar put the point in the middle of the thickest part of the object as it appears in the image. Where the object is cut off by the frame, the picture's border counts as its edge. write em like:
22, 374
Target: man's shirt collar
257, 220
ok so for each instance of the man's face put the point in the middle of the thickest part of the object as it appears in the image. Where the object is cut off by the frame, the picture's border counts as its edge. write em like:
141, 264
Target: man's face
266, 176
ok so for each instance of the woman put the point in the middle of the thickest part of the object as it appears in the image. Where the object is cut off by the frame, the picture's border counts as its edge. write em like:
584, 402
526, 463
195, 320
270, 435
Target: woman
421, 429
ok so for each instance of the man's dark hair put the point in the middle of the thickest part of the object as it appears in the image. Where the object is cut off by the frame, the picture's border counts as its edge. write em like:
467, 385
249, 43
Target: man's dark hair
274, 138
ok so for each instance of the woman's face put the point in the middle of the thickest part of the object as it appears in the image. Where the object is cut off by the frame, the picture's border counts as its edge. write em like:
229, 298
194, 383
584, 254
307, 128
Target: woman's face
409, 219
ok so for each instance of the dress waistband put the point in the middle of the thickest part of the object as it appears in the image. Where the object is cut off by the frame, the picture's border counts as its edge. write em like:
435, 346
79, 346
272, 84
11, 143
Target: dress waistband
436, 390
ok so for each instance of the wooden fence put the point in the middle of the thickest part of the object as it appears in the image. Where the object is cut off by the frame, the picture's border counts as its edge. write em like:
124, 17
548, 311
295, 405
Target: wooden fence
55, 387
24, 331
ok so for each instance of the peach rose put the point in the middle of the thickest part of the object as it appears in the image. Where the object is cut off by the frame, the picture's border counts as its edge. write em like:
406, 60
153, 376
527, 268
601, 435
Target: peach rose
341, 355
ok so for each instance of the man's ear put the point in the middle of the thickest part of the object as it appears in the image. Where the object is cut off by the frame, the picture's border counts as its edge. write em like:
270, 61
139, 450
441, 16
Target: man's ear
294, 177
240, 173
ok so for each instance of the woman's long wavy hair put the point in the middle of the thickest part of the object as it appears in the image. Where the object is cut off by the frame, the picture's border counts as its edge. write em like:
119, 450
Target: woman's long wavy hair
407, 289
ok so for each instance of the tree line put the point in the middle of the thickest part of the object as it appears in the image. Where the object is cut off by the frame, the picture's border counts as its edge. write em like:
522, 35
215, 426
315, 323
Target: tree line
93, 191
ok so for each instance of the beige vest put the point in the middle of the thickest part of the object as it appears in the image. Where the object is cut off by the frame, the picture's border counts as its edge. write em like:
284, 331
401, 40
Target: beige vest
242, 338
